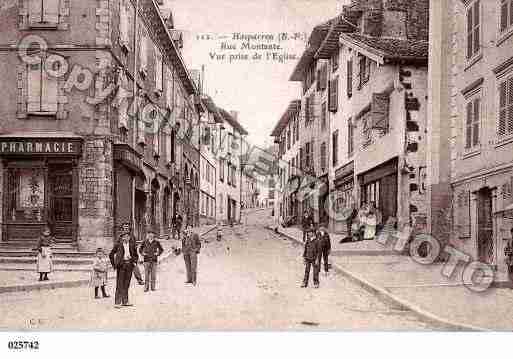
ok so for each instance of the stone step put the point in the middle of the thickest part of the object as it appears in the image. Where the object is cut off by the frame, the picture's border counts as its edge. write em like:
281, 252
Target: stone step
31, 267
57, 252
55, 260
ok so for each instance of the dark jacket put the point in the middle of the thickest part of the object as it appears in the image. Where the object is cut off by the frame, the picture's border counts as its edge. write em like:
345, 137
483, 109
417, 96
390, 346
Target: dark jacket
191, 244
151, 251
324, 241
118, 253
312, 250
177, 221
307, 222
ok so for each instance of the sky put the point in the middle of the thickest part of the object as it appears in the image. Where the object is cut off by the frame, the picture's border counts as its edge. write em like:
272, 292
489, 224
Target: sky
259, 90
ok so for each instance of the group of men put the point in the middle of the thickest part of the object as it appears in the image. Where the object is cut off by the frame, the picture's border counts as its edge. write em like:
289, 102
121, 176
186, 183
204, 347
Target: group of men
125, 257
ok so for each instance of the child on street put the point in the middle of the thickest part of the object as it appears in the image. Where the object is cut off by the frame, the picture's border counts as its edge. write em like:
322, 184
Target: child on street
311, 256
99, 273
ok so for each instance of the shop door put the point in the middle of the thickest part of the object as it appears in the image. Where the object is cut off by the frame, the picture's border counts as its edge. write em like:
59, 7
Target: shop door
60, 178
140, 222
388, 197
485, 226
229, 209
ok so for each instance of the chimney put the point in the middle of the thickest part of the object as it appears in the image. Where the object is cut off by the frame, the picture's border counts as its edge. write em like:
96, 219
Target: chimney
177, 37
196, 77
235, 115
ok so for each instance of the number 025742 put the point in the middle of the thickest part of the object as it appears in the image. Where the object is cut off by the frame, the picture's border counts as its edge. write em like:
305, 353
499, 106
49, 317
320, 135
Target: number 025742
23, 345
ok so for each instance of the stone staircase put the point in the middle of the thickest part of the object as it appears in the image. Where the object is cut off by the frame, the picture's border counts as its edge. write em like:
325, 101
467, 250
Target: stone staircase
21, 255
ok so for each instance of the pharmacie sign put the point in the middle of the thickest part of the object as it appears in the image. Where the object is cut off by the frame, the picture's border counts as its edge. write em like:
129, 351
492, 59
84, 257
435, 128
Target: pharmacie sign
40, 147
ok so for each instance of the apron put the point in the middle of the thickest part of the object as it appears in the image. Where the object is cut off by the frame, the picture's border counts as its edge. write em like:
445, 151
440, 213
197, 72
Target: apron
44, 260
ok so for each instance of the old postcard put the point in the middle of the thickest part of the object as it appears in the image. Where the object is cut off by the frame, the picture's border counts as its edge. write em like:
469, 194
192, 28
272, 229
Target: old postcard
277, 165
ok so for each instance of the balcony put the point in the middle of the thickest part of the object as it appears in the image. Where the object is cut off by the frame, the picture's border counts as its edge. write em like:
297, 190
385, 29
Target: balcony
128, 156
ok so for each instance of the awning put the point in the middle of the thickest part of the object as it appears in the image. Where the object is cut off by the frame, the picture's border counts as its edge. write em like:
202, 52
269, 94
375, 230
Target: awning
506, 212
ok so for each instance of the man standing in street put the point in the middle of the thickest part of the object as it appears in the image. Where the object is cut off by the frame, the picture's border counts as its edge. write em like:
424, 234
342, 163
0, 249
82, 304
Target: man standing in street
126, 227
311, 257
177, 225
191, 247
123, 257
307, 223
325, 248
150, 250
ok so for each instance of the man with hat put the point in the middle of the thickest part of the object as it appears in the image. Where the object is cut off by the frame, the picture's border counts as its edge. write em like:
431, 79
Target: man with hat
325, 247
150, 250
123, 258
191, 246
126, 227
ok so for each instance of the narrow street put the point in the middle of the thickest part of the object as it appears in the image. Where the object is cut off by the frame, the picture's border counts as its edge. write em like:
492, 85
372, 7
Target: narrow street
249, 281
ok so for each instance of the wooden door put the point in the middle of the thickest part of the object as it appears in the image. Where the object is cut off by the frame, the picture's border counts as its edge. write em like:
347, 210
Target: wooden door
60, 178
388, 197
485, 247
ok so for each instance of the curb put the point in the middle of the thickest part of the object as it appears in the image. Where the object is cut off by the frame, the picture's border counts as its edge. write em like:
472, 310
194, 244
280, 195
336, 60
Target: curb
63, 284
401, 303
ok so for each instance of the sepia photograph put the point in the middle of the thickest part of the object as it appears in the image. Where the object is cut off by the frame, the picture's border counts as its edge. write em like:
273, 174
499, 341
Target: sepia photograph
311, 166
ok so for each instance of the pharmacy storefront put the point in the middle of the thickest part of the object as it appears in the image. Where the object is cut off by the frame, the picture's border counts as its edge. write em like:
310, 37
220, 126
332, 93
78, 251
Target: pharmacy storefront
40, 187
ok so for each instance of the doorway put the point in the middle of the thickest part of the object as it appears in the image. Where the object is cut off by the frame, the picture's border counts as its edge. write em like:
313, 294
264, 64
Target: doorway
140, 208
60, 178
485, 245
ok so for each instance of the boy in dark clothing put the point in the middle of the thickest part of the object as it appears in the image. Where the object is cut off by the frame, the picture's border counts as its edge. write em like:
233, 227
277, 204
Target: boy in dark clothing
307, 224
325, 248
150, 250
311, 256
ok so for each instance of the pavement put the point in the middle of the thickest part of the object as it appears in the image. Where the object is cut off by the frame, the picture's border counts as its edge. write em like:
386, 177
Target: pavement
420, 288
248, 281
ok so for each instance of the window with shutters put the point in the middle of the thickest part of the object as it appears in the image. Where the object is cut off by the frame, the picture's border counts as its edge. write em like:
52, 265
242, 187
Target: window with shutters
505, 125
323, 157
43, 13
159, 80
506, 16
334, 61
323, 116
124, 37
366, 130
350, 78
334, 142
42, 94
473, 29
333, 95
350, 138
472, 123
143, 53
365, 69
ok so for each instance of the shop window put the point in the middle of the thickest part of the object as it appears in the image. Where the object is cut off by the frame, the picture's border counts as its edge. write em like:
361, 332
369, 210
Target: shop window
370, 193
25, 194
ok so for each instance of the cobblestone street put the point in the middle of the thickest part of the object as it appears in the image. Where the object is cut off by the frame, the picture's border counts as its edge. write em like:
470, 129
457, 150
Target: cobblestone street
249, 281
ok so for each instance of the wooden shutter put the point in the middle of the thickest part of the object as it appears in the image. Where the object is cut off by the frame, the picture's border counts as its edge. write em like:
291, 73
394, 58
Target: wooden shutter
319, 80
34, 87
49, 93
335, 147
468, 127
510, 105
143, 53
35, 15
158, 70
470, 22
350, 78
380, 111
123, 24
504, 15
51, 11
333, 97
503, 108
307, 110
350, 137
323, 156
477, 26
476, 121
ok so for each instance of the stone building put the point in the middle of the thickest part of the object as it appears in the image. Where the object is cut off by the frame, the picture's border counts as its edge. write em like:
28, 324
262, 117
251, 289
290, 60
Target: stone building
286, 134
369, 68
471, 137
78, 152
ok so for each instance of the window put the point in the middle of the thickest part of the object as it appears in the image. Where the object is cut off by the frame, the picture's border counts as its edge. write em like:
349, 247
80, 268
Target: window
334, 61
143, 54
124, 38
365, 68
323, 116
307, 156
366, 130
288, 138
333, 97
301, 159
43, 12
335, 147
42, 89
472, 123
350, 137
350, 78
221, 171
506, 108
473, 29
323, 157
158, 71
506, 21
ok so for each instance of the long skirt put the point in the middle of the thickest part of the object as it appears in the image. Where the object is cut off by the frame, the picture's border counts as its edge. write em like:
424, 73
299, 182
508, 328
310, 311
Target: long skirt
44, 260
